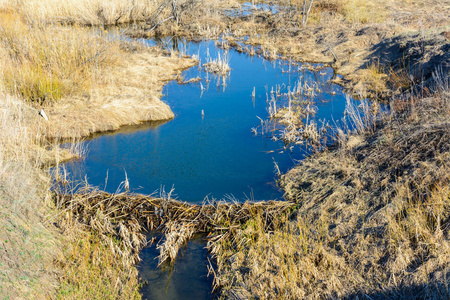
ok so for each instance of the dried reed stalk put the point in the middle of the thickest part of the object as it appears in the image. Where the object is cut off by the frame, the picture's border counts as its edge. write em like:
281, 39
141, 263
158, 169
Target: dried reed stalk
130, 216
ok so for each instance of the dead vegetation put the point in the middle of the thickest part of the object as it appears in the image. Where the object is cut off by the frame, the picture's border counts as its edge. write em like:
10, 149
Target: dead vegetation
219, 66
291, 114
372, 218
85, 80
127, 217
128, 94
27, 245
346, 34
83, 12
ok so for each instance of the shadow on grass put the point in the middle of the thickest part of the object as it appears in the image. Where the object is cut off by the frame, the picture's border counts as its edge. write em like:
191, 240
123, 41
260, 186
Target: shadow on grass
432, 291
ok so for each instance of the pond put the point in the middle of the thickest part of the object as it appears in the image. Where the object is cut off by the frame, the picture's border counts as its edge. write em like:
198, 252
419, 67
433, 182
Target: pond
208, 151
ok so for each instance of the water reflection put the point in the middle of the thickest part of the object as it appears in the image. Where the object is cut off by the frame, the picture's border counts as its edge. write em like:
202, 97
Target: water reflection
209, 148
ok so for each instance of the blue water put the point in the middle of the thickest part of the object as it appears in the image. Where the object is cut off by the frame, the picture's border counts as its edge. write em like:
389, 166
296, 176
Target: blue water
217, 155
247, 8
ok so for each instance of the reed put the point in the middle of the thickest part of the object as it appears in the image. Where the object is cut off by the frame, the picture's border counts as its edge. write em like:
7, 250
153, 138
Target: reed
219, 66
291, 114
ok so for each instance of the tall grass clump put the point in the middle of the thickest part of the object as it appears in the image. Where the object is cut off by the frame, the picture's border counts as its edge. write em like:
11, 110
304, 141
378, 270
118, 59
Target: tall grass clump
42, 63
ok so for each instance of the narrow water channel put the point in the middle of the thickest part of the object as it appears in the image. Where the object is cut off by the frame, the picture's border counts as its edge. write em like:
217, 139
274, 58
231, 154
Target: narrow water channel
186, 278
213, 154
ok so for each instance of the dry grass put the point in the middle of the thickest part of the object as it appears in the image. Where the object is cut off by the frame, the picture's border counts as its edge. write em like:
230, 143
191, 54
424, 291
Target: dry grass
83, 12
127, 217
99, 257
127, 94
91, 271
372, 219
399, 214
341, 33
291, 112
78, 73
219, 66
44, 64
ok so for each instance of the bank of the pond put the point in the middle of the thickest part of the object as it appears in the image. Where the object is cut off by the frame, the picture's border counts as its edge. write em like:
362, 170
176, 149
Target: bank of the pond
85, 82
235, 150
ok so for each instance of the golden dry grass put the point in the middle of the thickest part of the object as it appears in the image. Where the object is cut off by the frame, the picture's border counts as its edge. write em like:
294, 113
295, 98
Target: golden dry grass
91, 271
260, 253
45, 64
86, 81
127, 94
341, 33
83, 12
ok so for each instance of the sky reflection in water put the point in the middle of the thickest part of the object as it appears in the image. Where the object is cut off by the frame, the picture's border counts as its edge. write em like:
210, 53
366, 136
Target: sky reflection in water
216, 155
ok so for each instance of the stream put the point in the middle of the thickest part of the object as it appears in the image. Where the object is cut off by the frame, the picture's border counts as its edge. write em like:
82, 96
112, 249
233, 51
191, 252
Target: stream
208, 151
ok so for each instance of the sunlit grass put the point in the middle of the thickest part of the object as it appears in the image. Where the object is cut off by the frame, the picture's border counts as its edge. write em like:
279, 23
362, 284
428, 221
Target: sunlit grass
91, 270
43, 63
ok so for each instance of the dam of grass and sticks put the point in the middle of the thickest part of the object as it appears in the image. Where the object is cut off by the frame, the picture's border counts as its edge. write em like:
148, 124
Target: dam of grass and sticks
224, 149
